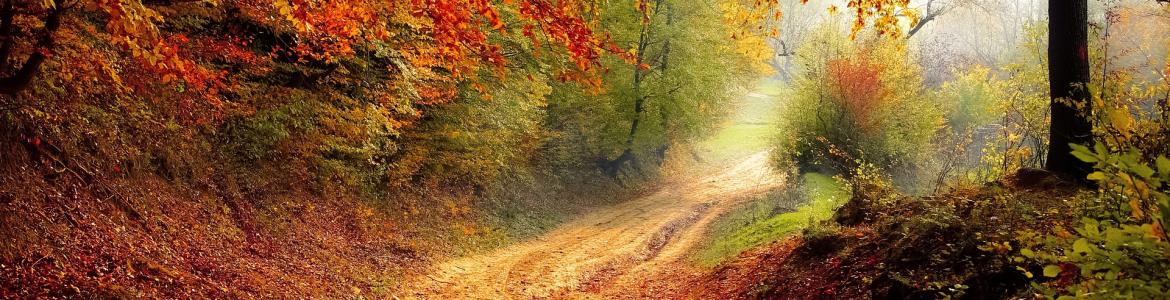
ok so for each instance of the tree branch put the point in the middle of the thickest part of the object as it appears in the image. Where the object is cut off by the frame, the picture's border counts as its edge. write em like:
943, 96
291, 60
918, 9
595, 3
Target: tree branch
931, 14
784, 51
920, 24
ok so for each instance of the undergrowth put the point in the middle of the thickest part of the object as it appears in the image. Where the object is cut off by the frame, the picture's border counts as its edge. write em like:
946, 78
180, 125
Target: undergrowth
527, 208
774, 216
884, 245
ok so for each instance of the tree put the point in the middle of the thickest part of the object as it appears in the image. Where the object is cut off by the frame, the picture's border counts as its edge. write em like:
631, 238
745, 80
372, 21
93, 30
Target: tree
932, 10
1068, 68
854, 103
22, 77
639, 69
677, 89
447, 36
792, 31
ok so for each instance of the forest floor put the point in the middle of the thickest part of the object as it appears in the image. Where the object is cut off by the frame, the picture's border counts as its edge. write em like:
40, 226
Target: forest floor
616, 246
635, 245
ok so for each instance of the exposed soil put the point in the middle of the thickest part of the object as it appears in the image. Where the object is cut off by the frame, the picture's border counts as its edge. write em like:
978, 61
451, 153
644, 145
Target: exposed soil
607, 252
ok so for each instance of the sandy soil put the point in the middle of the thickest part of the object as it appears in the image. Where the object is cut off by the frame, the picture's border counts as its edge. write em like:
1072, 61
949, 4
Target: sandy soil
609, 252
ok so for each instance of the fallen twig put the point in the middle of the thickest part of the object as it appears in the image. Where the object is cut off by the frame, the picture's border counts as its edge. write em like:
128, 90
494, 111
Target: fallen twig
437, 280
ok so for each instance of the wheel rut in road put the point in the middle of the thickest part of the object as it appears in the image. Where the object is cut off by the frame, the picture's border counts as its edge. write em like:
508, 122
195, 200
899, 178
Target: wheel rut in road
615, 246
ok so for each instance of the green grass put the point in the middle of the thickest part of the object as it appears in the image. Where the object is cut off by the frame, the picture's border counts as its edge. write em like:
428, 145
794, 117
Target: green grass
737, 140
757, 223
769, 86
749, 129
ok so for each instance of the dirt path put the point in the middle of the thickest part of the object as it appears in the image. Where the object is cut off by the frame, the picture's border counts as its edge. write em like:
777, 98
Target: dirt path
610, 247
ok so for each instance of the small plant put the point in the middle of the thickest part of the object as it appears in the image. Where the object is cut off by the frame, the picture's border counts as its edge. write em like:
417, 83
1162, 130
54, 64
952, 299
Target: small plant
1121, 254
1139, 189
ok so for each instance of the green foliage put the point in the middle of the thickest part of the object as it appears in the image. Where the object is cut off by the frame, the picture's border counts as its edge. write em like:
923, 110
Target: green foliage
1024, 108
1123, 253
1102, 260
508, 122
256, 137
319, 140
688, 77
477, 139
969, 100
997, 116
1134, 187
854, 103
1120, 248
1131, 105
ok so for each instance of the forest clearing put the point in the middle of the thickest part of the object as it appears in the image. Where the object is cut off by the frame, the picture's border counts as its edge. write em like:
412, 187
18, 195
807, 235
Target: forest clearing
585, 149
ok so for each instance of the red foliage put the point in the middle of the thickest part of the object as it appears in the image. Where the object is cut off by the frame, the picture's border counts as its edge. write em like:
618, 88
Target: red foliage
857, 87
567, 28
158, 54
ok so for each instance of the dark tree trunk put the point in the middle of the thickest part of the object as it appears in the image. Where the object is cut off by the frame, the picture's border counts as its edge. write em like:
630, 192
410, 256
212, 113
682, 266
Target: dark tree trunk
663, 113
23, 77
639, 107
1068, 71
613, 167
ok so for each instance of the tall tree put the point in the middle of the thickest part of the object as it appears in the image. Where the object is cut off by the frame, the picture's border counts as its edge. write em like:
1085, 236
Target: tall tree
640, 72
1068, 67
675, 87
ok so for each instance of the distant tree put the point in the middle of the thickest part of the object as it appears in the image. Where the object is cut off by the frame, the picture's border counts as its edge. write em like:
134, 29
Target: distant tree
1068, 67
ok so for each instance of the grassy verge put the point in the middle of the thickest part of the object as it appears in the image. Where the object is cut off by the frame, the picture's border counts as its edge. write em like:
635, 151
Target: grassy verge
737, 140
969, 243
772, 217
747, 131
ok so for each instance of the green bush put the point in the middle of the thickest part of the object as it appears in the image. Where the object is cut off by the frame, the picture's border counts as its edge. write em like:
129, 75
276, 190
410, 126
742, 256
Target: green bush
1124, 252
855, 103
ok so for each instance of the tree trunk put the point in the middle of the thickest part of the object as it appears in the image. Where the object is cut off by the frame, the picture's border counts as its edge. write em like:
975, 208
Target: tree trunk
22, 78
663, 114
614, 166
1068, 71
639, 104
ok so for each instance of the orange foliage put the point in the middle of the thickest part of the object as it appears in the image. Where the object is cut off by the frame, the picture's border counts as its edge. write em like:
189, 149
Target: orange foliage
440, 43
857, 87
884, 15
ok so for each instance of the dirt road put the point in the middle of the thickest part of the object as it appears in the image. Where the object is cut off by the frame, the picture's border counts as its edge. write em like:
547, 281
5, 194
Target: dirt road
615, 246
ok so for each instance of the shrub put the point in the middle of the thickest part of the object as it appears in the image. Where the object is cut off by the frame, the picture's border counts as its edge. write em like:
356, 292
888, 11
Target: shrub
479, 138
997, 117
1123, 252
857, 104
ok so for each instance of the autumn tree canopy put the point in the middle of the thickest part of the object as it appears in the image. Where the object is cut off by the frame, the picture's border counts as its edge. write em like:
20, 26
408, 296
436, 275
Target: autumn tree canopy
425, 46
